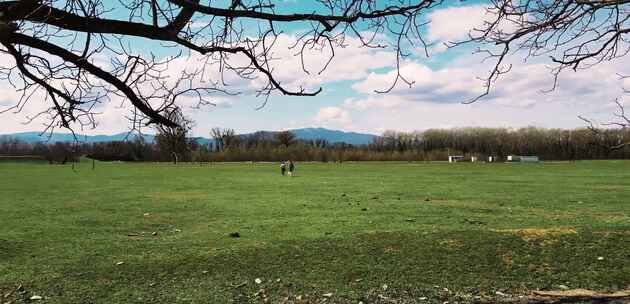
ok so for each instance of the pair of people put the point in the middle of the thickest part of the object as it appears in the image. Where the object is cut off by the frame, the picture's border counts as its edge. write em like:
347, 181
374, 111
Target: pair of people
288, 165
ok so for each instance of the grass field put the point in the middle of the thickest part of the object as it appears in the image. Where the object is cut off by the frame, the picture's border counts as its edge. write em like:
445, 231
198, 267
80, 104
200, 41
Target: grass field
372, 232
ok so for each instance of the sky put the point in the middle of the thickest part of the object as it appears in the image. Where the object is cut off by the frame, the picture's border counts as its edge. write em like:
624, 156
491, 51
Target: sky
442, 81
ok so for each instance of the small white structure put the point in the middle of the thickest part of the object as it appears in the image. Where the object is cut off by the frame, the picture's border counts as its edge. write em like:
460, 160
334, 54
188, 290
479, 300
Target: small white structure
492, 159
529, 159
521, 158
473, 159
513, 158
455, 158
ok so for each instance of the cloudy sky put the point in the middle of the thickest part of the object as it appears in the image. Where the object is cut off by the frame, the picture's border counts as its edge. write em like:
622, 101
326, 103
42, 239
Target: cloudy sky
349, 101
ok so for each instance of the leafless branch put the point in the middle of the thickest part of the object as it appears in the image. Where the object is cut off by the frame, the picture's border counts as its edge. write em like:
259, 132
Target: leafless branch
82, 54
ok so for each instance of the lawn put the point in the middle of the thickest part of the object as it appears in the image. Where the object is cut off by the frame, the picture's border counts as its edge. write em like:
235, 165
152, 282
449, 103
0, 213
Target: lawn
344, 233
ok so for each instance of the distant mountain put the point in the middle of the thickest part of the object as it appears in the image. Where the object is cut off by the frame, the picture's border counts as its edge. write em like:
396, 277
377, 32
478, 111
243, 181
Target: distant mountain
332, 136
34, 137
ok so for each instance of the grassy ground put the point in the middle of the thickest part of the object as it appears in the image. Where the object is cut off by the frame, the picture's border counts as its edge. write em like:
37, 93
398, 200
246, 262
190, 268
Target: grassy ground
364, 232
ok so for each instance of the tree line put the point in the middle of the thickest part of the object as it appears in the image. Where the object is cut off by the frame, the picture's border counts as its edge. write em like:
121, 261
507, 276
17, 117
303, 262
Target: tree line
429, 145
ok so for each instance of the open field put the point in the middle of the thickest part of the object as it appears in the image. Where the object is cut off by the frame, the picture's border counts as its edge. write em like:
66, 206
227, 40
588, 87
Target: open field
347, 229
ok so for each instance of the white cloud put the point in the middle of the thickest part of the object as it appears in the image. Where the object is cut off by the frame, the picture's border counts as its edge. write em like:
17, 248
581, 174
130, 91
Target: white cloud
517, 99
523, 86
425, 115
375, 102
447, 85
332, 115
454, 23
432, 102
350, 62
458, 23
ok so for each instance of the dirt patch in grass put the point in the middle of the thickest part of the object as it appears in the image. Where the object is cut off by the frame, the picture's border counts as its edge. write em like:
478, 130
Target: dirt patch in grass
391, 249
608, 234
557, 216
548, 242
543, 268
507, 258
452, 244
611, 187
530, 234
612, 218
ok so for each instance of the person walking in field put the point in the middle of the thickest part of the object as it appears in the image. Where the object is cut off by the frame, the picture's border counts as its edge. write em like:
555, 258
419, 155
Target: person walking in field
283, 167
291, 167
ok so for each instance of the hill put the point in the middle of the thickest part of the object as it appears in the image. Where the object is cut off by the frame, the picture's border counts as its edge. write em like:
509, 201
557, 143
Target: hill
332, 136
34, 137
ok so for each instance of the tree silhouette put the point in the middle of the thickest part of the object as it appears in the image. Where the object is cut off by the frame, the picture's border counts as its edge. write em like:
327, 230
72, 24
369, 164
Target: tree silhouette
173, 141
285, 138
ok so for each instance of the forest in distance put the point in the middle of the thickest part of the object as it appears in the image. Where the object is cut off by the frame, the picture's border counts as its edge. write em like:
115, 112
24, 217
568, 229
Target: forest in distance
429, 145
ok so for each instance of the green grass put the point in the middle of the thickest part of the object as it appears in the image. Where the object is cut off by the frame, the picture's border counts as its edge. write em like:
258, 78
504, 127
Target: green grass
347, 229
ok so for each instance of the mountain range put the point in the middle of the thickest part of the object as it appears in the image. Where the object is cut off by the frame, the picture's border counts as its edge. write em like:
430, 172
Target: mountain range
332, 136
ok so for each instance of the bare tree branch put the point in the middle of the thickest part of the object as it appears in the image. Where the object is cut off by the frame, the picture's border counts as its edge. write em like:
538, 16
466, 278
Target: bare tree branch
573, 34
81, 54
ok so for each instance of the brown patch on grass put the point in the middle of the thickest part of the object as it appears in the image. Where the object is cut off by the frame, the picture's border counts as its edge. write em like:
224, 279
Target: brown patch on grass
540, 268
611, 187
548, 242
507, 258
259, 244
530, 234
452, 244
607, 234
390, 249
567, 215
103, 281
613, 217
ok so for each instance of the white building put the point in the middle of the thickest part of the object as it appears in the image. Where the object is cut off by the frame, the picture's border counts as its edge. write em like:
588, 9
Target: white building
523, 158
512, 158
455, 158
529, 159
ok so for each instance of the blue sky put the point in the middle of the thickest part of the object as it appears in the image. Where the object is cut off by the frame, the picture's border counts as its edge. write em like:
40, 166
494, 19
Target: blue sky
442, 81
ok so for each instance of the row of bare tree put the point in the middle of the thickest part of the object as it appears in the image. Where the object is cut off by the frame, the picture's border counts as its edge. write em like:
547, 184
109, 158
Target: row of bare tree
435, 144
549, 144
